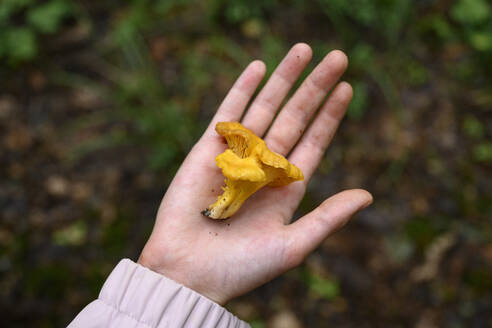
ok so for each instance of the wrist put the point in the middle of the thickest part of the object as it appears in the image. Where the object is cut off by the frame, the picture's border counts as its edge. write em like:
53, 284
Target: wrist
153, 262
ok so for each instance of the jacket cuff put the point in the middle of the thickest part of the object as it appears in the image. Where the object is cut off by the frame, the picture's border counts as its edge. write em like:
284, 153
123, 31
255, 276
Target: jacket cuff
157, 301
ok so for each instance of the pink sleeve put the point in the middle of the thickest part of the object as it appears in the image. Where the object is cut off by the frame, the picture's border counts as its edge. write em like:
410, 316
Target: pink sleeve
134, 296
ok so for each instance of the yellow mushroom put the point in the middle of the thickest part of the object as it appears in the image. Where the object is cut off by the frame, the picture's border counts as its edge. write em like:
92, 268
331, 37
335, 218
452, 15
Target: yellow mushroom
247, 165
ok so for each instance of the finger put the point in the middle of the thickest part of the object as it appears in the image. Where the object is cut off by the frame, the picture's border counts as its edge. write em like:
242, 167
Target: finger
309, 151
294, 117
237, 99
261, 112
305, 234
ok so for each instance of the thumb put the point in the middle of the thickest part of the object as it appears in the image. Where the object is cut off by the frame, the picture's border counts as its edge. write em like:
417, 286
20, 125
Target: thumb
308, 232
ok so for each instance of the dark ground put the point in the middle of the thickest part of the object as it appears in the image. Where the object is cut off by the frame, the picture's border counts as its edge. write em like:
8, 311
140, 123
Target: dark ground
98, 109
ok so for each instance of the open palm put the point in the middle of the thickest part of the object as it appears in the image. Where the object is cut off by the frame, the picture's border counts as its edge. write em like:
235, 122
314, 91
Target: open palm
222, 259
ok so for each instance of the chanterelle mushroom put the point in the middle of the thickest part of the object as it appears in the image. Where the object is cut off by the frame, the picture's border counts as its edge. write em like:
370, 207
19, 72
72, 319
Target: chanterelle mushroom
248, 166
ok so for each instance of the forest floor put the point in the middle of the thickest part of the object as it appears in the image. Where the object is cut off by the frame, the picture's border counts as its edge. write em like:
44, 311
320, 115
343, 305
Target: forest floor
94, 124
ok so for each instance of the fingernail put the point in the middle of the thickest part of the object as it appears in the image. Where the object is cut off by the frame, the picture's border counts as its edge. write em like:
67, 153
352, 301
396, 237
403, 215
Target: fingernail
368, 202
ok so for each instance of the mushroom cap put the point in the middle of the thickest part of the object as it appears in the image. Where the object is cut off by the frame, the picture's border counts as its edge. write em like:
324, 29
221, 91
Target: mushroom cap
236, 168
249, 157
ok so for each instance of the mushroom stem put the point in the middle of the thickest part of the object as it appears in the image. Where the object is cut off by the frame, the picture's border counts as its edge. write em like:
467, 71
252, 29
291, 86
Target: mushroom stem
232, 198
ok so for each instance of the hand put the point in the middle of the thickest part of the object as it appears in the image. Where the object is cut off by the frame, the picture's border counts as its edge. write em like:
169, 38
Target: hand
222, 259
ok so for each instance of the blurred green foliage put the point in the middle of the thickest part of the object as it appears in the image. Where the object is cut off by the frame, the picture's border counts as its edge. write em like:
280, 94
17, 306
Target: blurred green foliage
322, 287
476, 18
473, 127
483, 152
257, 324
24, 22
73, 234
418, 137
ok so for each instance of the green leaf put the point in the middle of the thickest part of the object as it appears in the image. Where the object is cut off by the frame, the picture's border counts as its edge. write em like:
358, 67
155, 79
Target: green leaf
48, 17
473, 127
482, 40
326, 288
483, 152
442, 28
471, 12
74, 234
20, 44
